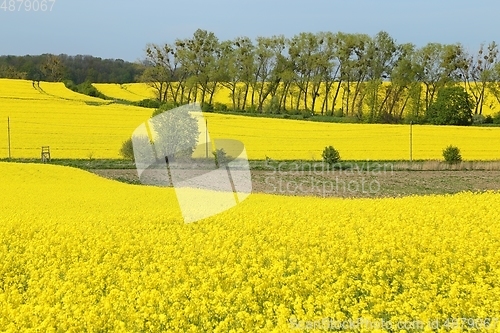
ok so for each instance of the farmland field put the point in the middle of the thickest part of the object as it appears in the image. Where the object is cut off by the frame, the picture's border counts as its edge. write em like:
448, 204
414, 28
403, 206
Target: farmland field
81, 253
72, 124
130, 91
79, 126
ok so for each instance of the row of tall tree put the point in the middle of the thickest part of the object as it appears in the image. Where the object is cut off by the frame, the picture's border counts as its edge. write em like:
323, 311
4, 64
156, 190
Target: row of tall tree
78, 69
372, 77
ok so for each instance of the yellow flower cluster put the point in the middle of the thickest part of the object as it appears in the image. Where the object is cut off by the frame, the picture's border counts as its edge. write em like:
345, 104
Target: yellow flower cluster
80, 253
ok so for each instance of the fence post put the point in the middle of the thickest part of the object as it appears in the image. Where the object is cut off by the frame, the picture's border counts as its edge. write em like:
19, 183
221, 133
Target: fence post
8, 134
411, 141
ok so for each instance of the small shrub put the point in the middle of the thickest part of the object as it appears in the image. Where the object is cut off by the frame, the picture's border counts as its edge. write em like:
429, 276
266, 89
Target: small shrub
127, 150
306, 114
148, 103
451, 154
71, 85
207, 107
220, 107
330, 155
85, 88
496, 118
220, 157
142, 145
88, 89
478, 119
488, 119
338, 113
252, 108
164, 107
273, 106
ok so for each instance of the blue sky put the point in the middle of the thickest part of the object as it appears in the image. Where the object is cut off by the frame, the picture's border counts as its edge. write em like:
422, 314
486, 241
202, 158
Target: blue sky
122, 28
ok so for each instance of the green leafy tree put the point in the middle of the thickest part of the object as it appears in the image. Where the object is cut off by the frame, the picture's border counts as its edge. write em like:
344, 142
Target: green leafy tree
164, 73
53, 69
236, 69
452, 107
382, 56
402, 94
438, 65
494, 83
477, 72
176, 132
270, 63
201, 57
354, 71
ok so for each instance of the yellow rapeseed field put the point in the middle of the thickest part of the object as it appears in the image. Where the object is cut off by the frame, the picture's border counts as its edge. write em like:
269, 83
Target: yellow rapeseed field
130, 91
79, 126
81, 253
297, 139
72, 124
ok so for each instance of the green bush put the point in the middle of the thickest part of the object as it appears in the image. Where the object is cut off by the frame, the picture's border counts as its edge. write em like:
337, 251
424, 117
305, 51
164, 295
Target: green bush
207, 107
220, 107
451, 154
85, 88
71, 85
221, 157
496, 118
338, 113
148, 103
273, 106
306, 114
127, 150
88, 89
478, 119
293, 112
164, 107
252, 108
488, 119
330, 155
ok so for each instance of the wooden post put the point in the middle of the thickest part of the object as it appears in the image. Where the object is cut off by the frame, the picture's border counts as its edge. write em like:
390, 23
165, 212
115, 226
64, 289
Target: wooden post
206, 138
411, 141
8, 133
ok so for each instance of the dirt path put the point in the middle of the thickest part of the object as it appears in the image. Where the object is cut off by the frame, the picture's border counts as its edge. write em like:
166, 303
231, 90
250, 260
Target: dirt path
358, 184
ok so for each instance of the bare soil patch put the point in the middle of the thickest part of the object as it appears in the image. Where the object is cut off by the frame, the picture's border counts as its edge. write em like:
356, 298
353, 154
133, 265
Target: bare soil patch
354, 184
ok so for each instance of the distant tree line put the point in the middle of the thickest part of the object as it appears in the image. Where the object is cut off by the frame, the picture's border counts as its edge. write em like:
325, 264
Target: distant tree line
369, 77
77, 69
